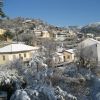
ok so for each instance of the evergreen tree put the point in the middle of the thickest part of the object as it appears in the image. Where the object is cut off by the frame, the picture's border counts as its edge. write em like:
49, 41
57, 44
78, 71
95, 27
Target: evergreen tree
2, 14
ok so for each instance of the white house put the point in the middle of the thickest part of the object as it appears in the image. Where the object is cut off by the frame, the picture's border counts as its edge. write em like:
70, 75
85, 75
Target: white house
91, 48
57, 58
66, 56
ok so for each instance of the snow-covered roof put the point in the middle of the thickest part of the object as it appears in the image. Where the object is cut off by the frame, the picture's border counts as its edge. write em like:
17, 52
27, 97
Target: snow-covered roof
17, 47
57, 54
27, 21
88, 42
96, 41
70, 50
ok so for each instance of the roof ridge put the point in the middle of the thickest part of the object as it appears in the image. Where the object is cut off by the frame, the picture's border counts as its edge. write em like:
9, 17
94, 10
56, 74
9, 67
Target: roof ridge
94, 40
17, 48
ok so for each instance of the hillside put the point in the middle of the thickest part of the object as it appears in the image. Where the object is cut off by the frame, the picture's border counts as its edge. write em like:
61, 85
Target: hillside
92, 28
25, 27
26, 23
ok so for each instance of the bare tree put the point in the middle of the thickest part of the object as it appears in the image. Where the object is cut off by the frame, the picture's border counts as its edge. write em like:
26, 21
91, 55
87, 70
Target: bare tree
85, 57
48, 47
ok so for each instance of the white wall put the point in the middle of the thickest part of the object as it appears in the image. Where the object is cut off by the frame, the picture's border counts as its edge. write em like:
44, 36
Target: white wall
98, 51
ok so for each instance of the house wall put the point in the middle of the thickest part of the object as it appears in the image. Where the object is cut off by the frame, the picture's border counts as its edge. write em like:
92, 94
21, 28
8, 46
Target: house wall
68, 57
11, 57
97, 38
91, 49
98, 52
58, 59
60, 37
87, 42
45, 34
90, 52
6, 58
2, 31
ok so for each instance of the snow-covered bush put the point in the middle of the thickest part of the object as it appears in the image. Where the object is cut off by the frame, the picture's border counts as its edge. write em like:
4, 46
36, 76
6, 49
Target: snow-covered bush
37, 81
42, 93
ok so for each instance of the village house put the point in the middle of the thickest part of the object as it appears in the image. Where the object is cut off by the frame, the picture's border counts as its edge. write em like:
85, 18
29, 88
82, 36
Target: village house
90, 35
58, 58
70, 35
90, 49
88, 42
2, 31
45, 34
69, 55
37, 33
60, 36
15, 51
66, 56
97, 38
42, 34
64, 35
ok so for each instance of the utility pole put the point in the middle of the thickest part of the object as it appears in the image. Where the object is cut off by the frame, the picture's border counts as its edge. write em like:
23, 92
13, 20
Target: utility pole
17, 34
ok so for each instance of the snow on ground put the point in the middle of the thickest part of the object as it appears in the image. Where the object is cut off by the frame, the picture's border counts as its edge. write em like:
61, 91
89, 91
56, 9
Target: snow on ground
69, 83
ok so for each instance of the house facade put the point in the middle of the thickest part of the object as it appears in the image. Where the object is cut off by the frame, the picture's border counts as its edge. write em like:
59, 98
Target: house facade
2, 31
69, 55
90, 35
66, 56
70, 35
16, 51
60, 36
42, 34
58, 58
97, 38
91, 50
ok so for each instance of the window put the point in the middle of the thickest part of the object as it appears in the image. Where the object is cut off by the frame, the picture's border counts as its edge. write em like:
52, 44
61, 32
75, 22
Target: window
24, 54
19, 55
3, 57
68, 57
64, 58
21, 58
14, 56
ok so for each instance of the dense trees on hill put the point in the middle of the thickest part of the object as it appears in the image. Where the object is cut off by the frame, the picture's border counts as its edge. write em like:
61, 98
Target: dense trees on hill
2, 14
91, 28
94, 30
7, 34
23, 28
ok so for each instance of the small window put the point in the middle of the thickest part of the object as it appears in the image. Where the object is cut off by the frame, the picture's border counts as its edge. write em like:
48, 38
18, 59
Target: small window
14, 56
3, 57
21, 58
64, 58
24, 54
68, 57
19, 55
